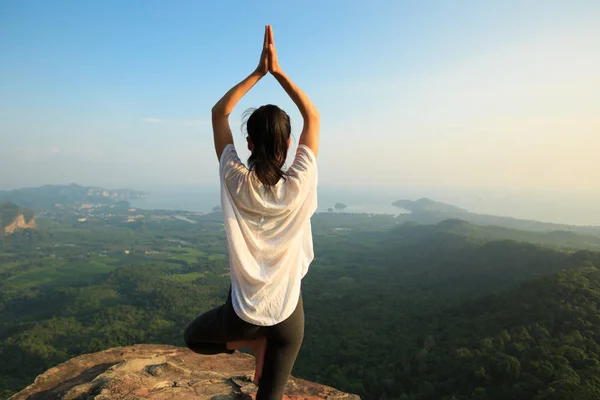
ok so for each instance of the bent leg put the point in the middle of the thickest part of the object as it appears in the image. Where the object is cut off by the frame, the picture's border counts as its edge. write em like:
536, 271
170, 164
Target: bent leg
203, 334
210, 332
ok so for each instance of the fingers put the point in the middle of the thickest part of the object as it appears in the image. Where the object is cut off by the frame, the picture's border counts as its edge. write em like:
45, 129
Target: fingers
271, 40
266, 39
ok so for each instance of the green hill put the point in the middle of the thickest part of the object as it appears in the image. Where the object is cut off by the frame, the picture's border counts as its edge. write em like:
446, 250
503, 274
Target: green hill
482, 234
427, 211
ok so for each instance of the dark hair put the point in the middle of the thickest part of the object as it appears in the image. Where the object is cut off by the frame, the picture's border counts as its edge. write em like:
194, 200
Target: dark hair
269, 128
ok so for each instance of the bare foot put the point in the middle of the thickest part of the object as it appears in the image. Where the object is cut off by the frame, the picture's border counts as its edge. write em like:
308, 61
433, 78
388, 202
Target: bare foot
258, 347
259, 351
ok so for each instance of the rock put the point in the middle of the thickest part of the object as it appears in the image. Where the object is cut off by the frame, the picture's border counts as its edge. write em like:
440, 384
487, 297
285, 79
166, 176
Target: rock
159, 372
13, 218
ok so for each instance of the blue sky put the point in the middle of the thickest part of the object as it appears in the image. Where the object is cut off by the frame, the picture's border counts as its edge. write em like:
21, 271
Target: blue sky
454, 93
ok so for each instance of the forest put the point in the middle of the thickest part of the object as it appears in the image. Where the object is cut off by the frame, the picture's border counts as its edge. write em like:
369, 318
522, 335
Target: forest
394, 309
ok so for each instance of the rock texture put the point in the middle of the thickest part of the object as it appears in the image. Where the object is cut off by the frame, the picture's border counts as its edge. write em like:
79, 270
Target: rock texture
19, 223
160, 372
13, 218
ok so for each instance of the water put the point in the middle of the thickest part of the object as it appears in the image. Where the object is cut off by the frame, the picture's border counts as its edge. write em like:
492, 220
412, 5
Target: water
568, 207
198, 199
204, 199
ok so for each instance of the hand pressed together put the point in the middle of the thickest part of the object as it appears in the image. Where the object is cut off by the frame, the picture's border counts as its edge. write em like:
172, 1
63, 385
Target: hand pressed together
263, 63
268, 63
268, 58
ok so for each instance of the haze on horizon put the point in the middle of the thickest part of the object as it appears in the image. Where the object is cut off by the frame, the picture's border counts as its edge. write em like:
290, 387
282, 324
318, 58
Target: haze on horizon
467, 94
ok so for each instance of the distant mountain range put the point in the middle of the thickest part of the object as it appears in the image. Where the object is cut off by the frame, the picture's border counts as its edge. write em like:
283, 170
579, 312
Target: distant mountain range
423, 211
427, 211
49, 197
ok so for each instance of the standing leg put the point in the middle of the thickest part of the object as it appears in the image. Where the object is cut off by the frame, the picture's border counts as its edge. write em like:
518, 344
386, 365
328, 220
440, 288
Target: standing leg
283, 344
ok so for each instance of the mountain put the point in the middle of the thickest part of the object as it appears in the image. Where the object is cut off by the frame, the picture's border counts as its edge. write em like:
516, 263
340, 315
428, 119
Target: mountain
51, 197
427, 211
488, 233
161, 372
13, 218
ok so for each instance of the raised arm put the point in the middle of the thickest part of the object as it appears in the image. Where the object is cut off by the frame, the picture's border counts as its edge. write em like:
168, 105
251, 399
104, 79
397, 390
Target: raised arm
222, 109
310, 130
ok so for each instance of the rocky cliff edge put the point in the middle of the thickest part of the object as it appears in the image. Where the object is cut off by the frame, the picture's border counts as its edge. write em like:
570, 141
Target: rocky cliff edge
161, 372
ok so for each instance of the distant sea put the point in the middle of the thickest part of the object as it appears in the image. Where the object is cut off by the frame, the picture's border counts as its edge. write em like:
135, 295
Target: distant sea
205, 199
541, 205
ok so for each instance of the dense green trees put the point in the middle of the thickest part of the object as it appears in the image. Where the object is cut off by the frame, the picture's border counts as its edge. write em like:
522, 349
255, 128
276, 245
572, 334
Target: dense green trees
407, 325
539, 341
452, 311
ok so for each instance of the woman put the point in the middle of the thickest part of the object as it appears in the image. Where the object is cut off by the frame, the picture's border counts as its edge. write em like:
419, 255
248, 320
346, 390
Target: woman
267, 223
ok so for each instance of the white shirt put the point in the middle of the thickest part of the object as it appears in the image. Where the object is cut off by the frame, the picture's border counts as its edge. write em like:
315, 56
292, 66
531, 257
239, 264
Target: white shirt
268, 235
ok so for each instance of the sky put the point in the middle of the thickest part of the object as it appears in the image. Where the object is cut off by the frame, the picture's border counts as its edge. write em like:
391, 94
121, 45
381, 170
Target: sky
468, 94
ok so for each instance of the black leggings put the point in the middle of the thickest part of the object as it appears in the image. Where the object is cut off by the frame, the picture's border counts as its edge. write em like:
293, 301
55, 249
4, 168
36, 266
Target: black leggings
209, 333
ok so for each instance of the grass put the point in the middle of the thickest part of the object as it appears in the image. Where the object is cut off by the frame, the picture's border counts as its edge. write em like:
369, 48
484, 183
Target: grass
55, 272
4, 267
187, 254
185, 278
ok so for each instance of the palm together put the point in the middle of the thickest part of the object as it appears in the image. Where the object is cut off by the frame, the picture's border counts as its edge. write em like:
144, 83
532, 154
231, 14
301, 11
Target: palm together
268, 58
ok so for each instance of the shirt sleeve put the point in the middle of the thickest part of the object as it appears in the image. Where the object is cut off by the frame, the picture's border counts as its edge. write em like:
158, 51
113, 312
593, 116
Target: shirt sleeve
229, 162
304, 167
303, 177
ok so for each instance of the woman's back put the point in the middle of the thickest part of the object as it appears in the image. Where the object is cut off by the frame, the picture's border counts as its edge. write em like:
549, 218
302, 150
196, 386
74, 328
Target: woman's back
269, 235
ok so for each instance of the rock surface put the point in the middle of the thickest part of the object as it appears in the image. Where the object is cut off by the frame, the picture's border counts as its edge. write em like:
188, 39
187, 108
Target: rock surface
19, 223
13, 217
160, 372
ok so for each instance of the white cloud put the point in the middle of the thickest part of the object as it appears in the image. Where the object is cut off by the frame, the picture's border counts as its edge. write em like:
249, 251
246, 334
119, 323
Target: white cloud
152, 120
